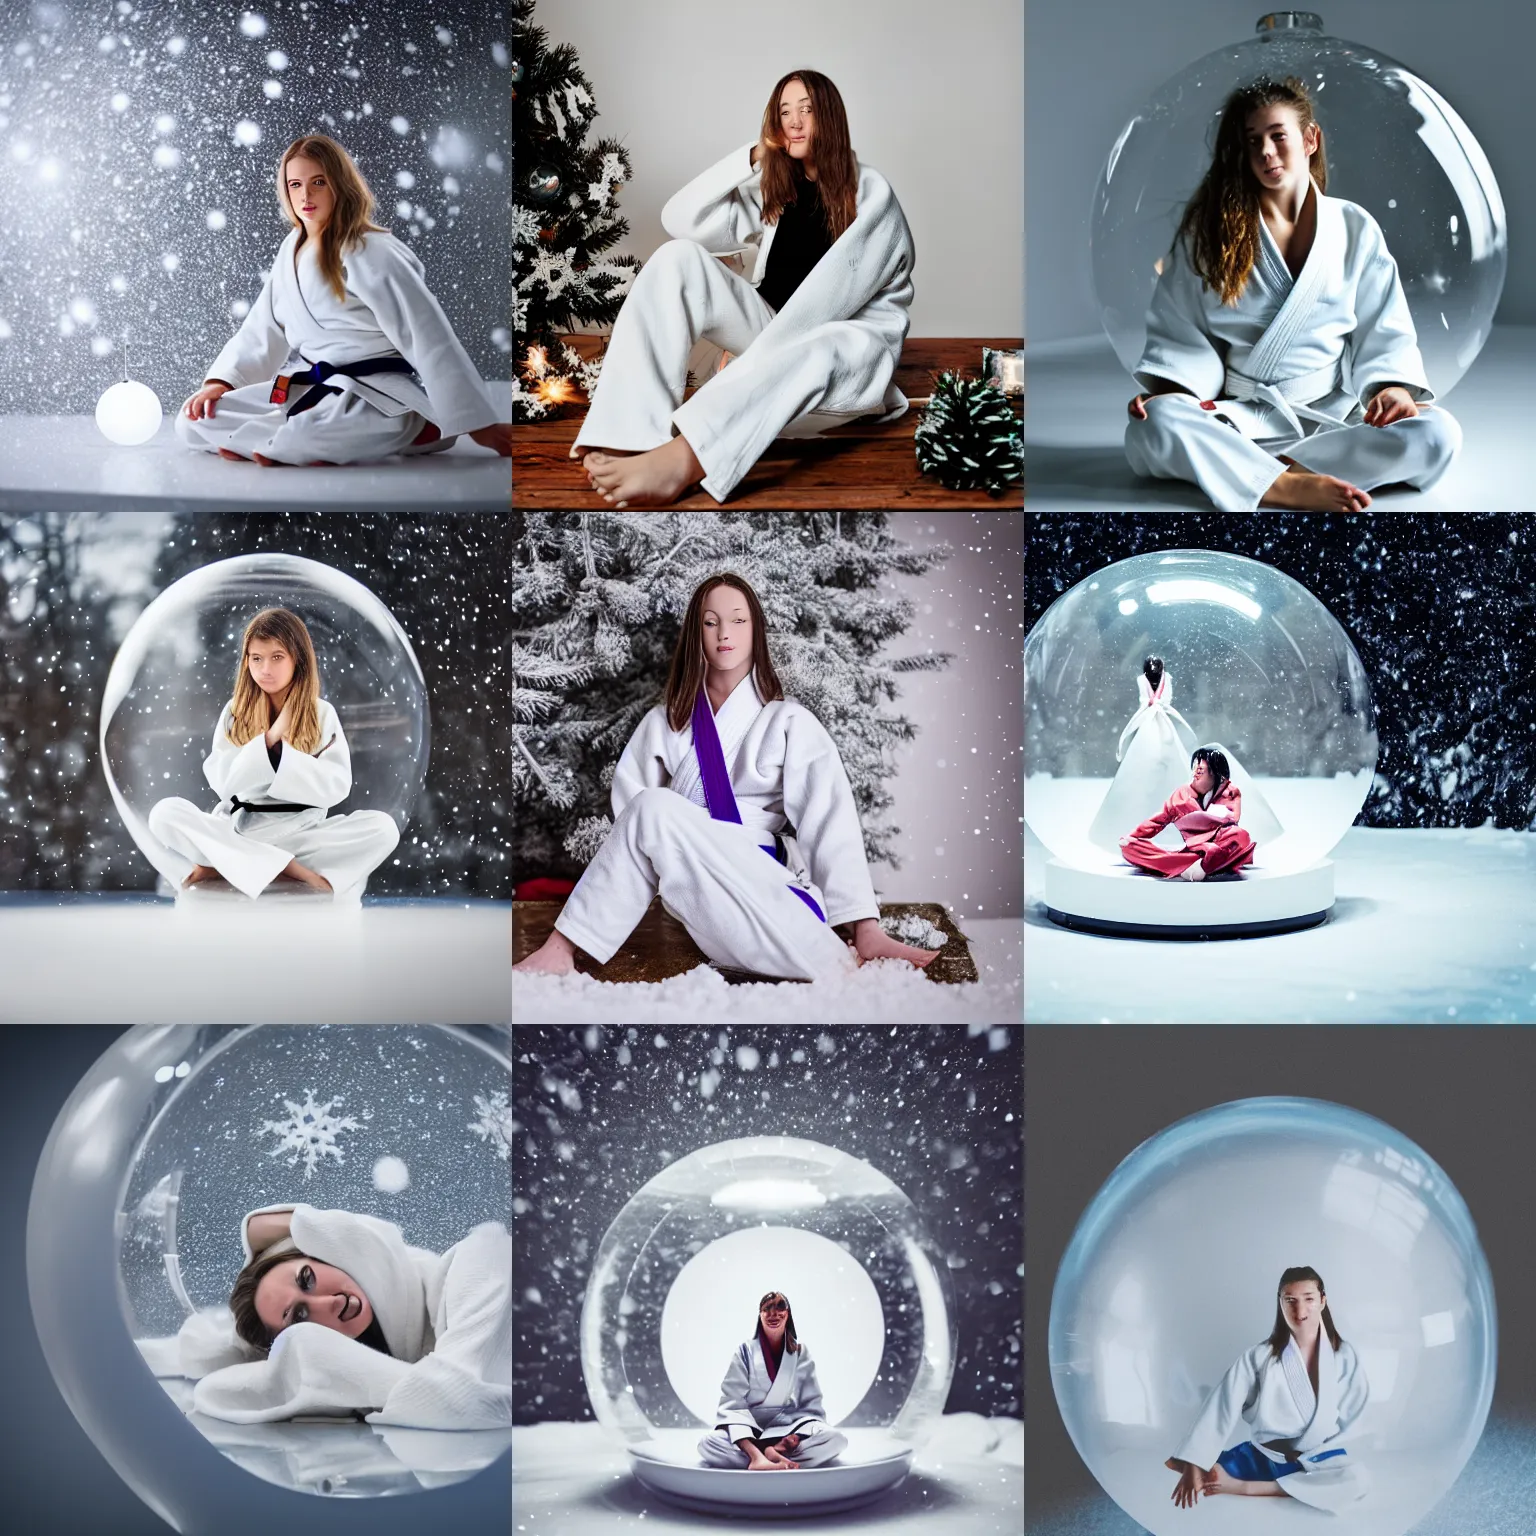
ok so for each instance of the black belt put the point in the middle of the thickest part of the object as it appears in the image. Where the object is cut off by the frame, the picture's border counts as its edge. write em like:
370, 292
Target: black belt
317, 373
246, 805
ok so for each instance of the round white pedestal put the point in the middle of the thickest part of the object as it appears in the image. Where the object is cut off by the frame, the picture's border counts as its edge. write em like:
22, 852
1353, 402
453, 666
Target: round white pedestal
1129, 903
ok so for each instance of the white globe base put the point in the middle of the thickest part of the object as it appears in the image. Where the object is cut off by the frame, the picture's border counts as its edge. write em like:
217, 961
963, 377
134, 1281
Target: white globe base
668, 1465
1129, 903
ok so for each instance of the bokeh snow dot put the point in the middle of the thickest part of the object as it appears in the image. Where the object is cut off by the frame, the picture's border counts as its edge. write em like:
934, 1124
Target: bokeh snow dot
390, 1175
247, 132
253, 25
216, 218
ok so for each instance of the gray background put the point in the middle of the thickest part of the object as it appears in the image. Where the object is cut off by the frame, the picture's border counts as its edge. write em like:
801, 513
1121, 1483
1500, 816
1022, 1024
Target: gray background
1093, 1095
1091, 64
933, 94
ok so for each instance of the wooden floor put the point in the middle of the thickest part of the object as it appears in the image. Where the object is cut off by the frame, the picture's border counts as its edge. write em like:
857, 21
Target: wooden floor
863, 465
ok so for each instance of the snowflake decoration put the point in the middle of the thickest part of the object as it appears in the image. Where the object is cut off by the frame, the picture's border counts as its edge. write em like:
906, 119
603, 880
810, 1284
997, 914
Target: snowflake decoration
309, 1132
525, 226
493, 1123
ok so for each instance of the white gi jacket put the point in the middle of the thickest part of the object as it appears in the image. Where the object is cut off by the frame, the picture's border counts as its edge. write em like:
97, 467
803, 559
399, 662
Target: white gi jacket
864, 279
784, 771
387, 312
1285, 1420
751, 1405
321, 780
1293, 355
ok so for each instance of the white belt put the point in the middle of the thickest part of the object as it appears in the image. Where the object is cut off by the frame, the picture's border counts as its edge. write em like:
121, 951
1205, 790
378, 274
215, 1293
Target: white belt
1291, 397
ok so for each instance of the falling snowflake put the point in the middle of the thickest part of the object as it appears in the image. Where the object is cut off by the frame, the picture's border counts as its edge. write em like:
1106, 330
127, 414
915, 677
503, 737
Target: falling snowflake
494, 1123
310, 1132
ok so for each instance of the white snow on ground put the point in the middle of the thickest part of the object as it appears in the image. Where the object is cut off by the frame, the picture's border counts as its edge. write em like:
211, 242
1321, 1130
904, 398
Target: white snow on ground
884, 992
574, 1480
1435, 926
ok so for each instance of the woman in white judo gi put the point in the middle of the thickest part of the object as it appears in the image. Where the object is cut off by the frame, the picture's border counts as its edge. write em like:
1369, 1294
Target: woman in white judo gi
770, 1417
1281, 367
345, 355
814, 334
279, 760
1298, 1395
704, 798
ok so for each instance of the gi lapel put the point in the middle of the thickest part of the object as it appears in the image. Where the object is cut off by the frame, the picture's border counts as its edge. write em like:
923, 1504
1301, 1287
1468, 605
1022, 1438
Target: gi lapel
780, 1392
1325, 1416
718, 794
1300, 1383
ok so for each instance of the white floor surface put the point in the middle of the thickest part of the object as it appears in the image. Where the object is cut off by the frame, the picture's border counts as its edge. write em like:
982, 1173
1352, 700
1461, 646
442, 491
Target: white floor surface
574, 1480
1429, 927
64, 462
888, 991
125, 961
1075, 432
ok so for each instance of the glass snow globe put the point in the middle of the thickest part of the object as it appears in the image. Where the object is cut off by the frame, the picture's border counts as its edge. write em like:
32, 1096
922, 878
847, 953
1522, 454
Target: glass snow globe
134, 1226
674, 1292
175, 671
1173, 1272
1251, 662
1394, 145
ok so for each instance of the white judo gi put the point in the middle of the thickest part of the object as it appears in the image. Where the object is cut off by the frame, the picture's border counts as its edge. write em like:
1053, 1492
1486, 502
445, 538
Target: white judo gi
738, 904
250, 848
1272, 1405
753, 1406
1287, 370
297, 320
828, 356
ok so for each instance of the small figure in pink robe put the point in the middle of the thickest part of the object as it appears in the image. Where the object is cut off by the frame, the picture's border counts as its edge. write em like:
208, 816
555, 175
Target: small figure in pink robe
1206, 811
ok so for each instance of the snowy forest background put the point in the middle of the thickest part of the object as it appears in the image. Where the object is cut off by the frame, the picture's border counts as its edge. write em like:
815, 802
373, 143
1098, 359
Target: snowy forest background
1442, 609
138, 178
72, 584
598, 1112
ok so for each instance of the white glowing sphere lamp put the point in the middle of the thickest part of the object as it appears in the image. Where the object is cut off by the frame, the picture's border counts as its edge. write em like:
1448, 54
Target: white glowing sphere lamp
128, 413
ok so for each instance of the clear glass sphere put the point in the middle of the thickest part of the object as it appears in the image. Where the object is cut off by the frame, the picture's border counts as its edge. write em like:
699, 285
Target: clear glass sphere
170, 1139
1255, 663
1394, 145
128, 413
678, 1276
1173, 1272
175, 672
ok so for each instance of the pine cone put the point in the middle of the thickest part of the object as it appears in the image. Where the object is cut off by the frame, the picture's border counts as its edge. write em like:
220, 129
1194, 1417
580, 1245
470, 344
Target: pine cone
969, 437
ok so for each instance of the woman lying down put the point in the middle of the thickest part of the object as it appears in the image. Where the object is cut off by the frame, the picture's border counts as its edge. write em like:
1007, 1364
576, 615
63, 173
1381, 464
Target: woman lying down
336, 1313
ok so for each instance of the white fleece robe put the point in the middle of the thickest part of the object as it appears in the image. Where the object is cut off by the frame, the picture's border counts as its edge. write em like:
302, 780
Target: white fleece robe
828, 356
713, 876
297, 320
1288, 369
251, 848
755, 1406
447, 1319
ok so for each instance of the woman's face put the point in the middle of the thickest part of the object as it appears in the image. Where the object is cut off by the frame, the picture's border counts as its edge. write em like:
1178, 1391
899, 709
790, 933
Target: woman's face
775, 1315
727, 629
1279, 148
271, 665
1301, 1303
310, 193
1203, 781
307, 1291
796, 127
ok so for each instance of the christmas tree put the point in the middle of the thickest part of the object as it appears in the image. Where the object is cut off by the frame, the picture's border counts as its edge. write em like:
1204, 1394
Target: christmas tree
597, 603
564, 218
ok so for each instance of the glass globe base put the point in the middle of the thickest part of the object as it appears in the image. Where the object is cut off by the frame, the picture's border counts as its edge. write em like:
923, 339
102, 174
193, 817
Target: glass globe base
1127, 904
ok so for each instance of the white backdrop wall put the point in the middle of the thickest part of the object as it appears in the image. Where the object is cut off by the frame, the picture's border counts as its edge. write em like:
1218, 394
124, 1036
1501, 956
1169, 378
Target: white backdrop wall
935, 103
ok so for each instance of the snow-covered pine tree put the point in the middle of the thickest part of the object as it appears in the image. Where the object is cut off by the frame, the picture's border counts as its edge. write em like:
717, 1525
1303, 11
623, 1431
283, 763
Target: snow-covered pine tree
564, 219
597, 602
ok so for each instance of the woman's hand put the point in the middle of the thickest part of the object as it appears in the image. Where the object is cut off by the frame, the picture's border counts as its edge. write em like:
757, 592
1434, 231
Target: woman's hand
1392, 403
1190, 1486
278, 730
498, 436
202, 403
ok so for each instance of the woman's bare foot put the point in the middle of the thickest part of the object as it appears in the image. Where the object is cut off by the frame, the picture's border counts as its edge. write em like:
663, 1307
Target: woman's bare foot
654, 479
556, 956
1298, 490
581, 450
872, 942
293, 870
201, 875
230, 454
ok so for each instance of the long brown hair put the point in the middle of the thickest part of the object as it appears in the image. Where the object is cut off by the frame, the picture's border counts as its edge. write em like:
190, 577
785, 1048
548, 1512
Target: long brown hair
1280, 1334
352, 217
688, 667
1221, 223
791, 1338
837, 168
251, 713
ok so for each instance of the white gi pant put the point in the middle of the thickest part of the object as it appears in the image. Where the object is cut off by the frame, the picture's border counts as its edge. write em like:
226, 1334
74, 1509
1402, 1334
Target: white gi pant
681, 295
251, 848
341, 429
818, 1445
1180, 441
716, 880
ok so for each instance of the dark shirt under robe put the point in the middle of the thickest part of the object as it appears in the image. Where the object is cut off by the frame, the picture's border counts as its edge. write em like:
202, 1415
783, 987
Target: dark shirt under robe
800, 241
